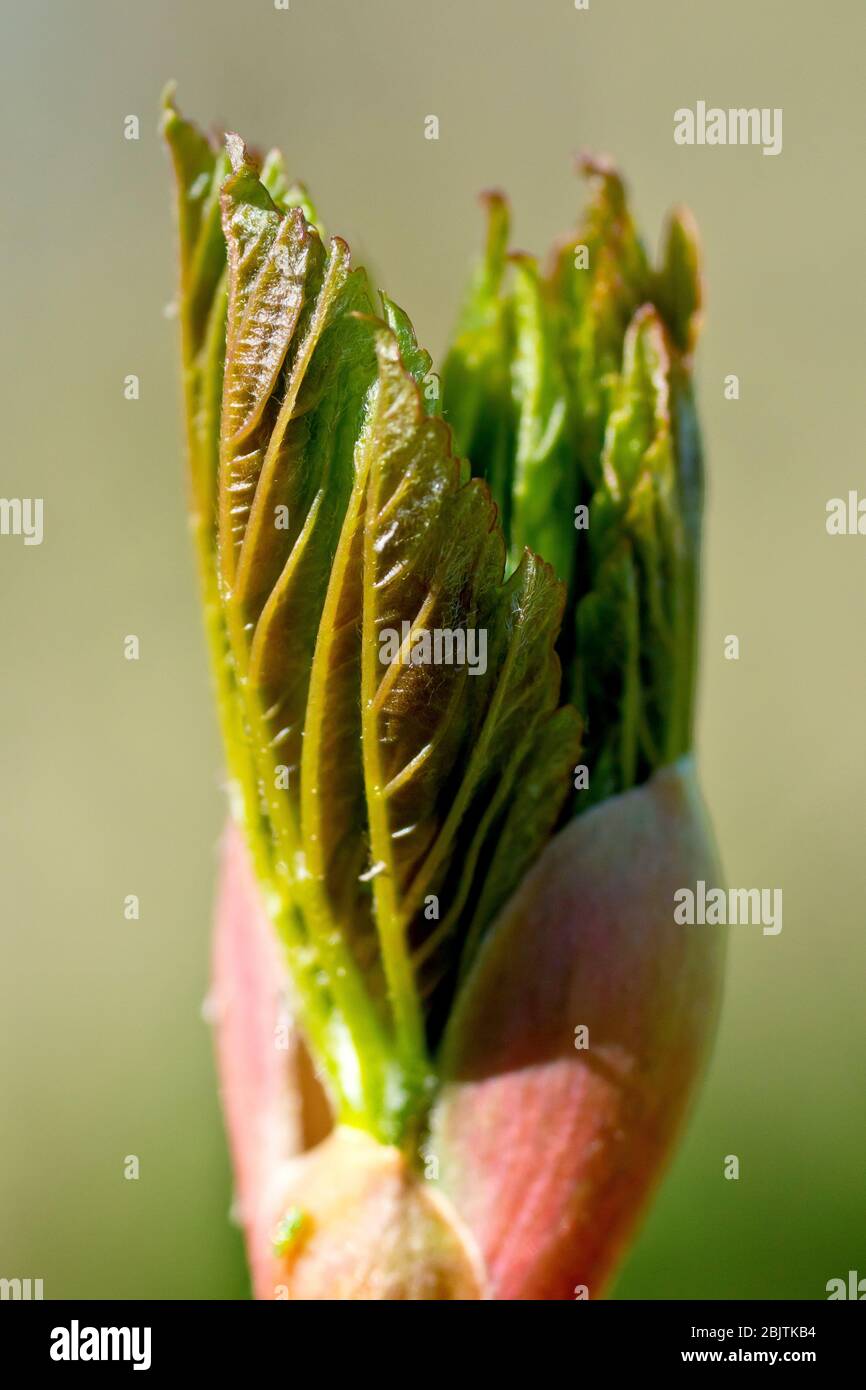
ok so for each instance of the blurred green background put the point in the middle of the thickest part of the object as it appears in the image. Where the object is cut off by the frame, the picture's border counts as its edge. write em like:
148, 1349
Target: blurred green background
112, 768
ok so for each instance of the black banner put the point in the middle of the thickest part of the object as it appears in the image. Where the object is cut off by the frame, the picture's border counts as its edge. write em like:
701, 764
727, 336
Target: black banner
159, 1339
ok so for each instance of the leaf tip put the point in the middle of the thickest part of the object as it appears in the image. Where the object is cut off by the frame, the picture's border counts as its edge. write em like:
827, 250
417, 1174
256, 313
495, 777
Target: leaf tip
167, 102
237, 151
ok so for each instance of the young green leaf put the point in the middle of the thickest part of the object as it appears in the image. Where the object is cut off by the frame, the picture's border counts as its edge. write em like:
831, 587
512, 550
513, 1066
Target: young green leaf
628, 645
439, 739
389, 692
632, 642
476, 375
598, 279
678, 290
545, 481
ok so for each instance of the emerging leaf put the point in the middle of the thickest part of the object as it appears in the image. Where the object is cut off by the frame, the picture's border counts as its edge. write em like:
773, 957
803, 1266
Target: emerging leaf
600, 468
476, 376
388, 690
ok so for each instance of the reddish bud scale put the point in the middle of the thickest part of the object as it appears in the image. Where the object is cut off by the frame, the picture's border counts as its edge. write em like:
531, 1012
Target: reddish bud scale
547, 1151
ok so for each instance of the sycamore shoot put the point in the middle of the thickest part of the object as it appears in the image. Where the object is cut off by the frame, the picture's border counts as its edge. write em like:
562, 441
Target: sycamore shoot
548, 497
